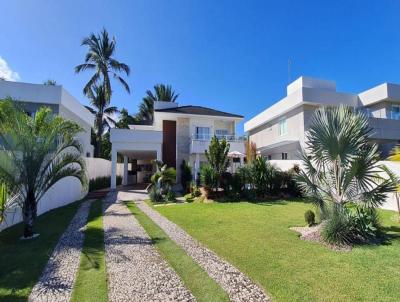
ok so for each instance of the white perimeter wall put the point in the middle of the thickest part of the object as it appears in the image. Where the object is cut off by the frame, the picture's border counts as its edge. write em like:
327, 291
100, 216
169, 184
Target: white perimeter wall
391, 202
65, 191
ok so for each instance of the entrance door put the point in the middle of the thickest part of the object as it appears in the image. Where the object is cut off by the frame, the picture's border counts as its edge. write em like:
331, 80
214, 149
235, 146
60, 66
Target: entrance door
169, 143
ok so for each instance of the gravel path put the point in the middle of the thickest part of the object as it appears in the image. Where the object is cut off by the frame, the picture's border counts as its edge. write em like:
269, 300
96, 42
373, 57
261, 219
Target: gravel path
58, 277
238, 286
136, 272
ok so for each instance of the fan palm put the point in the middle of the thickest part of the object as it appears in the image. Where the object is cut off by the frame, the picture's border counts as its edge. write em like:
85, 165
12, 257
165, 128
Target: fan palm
162, 93
100, 59
103, 114
340, 166
36, 152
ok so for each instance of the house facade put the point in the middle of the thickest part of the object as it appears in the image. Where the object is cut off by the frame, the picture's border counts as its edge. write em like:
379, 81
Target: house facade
279, 131
178, 133
31, 97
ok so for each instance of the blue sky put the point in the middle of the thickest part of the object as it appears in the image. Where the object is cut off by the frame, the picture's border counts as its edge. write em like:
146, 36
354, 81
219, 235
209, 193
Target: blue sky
229, 55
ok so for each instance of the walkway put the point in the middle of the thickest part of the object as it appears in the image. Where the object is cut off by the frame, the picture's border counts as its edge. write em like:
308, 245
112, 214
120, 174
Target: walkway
136, 271
57, 280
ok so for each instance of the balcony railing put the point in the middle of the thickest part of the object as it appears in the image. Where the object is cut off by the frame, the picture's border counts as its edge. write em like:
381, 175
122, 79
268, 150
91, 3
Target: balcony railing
208, 137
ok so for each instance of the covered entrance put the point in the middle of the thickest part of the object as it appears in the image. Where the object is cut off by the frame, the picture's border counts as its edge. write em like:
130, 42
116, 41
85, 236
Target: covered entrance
138, 148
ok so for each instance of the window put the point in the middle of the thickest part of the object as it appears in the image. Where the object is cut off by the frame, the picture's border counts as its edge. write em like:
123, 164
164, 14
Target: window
269, 157
284, 156
282, 126
221, 133
203, 133
395, 113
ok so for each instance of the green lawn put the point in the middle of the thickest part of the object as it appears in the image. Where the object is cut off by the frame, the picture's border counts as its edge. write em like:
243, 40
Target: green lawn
194, 277
91, 282
256, 239
22, 262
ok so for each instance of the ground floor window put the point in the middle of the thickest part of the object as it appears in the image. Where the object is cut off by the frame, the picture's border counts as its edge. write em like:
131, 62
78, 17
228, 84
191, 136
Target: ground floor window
284, 156
269, 157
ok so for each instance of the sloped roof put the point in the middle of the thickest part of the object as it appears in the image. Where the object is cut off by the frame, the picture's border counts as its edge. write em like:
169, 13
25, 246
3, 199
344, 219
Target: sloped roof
198, 110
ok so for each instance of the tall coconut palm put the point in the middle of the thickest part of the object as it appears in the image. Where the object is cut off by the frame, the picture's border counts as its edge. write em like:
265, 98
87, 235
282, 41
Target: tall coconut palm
100, 58
163, 93
103, 112
36, 152
340, 165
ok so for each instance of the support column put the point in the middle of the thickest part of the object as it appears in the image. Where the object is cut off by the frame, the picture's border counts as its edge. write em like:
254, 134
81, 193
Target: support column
113, 169
159, 154
125, 178
197, 166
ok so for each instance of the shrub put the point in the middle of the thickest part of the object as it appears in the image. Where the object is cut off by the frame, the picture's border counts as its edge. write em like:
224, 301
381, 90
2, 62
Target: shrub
102, 182
338, 228
170, 196
186, 176
226, 181
189, 197
309, 217
208, 177
366, 226
263, 176
194, 190
155, 195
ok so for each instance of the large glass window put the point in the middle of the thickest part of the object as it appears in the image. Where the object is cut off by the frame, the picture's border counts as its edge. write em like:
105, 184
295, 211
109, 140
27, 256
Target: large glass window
395, 113
203, 133
282, 129
221, 133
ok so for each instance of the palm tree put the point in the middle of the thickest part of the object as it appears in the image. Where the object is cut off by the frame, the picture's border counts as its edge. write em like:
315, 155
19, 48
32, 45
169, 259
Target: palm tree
36, 152
395, 156
100, 59
162, 93
103, 113
340, 165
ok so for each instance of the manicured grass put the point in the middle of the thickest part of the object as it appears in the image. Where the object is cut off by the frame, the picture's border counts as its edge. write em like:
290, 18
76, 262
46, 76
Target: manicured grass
91, 282
256, 239
22, 262
194, 277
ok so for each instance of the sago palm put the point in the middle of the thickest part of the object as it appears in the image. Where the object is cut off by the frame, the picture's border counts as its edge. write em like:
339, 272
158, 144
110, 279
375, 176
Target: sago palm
339, 164
162, 93
103, 112
36, 153
100, 58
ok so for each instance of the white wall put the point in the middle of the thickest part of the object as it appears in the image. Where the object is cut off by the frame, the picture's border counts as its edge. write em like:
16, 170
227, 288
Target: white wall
65, 191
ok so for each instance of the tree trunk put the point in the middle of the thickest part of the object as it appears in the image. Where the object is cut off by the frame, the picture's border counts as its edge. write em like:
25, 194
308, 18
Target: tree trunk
29, 214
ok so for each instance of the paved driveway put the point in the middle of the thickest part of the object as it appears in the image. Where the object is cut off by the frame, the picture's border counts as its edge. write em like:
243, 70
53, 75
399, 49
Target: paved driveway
132, 193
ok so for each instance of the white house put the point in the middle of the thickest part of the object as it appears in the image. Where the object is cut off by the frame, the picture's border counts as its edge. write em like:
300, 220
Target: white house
178, 133
33, 96
279, 131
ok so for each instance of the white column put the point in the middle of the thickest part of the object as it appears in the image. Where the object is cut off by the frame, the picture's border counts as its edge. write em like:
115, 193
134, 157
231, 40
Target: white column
241, 160
113, 169
159, 154
125, 179
196, 166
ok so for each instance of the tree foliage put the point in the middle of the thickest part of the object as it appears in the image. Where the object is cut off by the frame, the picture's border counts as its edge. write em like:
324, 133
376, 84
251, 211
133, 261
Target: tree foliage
217, 156
36, 153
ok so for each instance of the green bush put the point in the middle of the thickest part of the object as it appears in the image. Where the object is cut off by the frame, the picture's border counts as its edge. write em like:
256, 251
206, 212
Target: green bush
170, 196
309, 217
194, 190
155, 196
102, 182
186, 176
188, 197
208, 176
338, 228
366, 226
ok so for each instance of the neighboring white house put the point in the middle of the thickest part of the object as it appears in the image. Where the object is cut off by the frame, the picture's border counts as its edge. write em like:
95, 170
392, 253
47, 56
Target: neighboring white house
178, 133
33, 96
279, 131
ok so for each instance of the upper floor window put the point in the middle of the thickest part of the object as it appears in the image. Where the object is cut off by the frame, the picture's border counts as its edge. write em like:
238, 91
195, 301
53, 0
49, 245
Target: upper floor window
203, 133
282, 127
221, 133
395, 113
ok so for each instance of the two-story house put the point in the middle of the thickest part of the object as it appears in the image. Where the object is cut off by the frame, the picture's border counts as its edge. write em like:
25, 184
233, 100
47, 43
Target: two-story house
279, 131
178, 133
31, 97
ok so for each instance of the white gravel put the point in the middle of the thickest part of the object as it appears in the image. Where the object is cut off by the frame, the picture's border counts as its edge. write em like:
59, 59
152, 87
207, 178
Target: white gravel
238, 286
136, 271
57, 280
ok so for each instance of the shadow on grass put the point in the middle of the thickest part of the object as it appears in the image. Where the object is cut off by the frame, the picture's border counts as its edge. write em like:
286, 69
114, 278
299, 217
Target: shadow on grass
22, 262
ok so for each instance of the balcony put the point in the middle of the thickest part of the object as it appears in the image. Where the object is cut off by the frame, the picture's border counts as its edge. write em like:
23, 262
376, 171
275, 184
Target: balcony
200, 142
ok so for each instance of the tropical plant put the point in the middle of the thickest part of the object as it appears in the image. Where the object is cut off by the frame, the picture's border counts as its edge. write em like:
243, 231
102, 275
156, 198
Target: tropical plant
3, 201
217, 157
251, 151
186, 176
309, 217
125, 119
340, 166
37, 152
162, 93
103, 112
164, 178
100, 58
209, 177
264, 177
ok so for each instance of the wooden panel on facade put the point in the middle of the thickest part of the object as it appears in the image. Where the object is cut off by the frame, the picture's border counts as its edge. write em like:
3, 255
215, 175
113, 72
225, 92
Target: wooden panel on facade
169, 143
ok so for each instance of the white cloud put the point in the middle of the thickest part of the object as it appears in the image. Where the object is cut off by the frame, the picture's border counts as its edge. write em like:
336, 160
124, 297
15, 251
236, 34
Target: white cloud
6, 72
